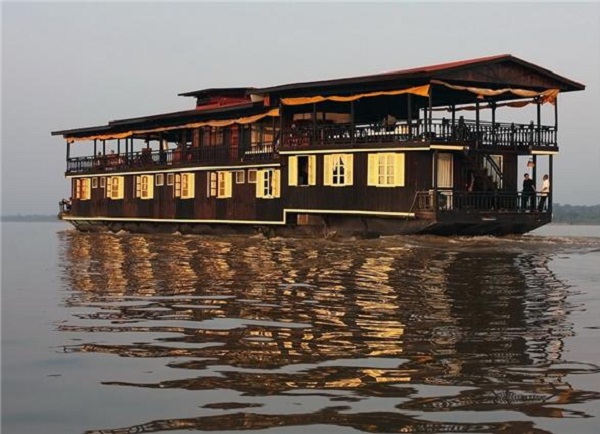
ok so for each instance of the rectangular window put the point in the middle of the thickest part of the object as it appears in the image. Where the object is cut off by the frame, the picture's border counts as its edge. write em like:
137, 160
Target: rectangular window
267, 183
224, 184
445, 175
252, 176
338, 170
302, 170
211, 184
170, 179
115, 187
144, 186
160, 179
81, 189
386, 169
184, 185
103, 182
239, 176
94, 182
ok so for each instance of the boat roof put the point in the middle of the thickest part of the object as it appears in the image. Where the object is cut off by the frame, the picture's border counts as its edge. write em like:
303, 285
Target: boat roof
498, 71
437, 71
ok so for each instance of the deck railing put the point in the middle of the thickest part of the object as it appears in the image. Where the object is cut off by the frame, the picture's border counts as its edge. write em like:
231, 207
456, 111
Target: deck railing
482, 134
148, 158
497, 201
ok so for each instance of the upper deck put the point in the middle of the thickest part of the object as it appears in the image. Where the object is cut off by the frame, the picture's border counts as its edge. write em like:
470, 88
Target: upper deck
485, 136
241, 126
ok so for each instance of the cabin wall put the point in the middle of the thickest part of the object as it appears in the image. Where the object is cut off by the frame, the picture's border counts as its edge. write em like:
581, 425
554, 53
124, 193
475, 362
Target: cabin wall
360, 196
245, 206
242, 206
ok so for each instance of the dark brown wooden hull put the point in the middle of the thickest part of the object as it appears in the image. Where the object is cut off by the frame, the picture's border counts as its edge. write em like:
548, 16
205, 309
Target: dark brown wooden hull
333, 226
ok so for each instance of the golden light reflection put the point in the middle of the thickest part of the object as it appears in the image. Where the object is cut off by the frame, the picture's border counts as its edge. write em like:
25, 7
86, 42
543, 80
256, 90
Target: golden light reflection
371, 319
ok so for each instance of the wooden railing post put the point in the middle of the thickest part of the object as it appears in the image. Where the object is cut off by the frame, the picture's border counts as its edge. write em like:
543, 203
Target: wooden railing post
512, 135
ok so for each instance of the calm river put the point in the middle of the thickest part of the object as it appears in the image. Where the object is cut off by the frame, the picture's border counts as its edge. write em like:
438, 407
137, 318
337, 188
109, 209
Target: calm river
130, 333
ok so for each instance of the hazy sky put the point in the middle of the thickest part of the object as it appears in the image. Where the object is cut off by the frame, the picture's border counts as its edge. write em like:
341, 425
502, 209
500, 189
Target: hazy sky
72, 65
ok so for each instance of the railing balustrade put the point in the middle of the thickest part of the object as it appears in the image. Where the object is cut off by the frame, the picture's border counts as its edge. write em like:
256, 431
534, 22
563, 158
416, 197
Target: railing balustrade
148, 158
452, 201
484, 134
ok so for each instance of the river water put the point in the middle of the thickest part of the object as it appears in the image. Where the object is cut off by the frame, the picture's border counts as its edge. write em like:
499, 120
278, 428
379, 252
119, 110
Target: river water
154, 333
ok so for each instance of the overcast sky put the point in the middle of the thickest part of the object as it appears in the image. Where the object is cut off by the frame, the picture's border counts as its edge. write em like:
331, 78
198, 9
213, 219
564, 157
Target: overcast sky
72, 65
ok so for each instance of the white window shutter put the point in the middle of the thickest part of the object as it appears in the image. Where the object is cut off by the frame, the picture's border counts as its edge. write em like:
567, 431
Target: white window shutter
260, 183
293, 170
312, 170
399, 170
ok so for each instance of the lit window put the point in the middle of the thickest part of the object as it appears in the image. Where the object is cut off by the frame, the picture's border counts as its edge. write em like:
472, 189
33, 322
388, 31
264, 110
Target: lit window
267, 183
184, 185
94, 182
81, 189
338, 170
239, 176
386, 170
115, 187
170, 179
144, 186
103, 182
224, 184
252, 176
211, 184
160, 179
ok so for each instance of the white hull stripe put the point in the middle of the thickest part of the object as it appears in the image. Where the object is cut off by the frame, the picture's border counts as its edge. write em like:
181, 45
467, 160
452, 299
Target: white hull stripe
351, 150
183, 169
247, 222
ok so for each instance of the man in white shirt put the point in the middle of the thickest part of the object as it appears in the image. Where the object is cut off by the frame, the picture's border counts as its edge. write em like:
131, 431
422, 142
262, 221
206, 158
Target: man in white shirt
544, 192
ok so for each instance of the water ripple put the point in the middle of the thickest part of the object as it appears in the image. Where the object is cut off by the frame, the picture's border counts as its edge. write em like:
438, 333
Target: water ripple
420, 326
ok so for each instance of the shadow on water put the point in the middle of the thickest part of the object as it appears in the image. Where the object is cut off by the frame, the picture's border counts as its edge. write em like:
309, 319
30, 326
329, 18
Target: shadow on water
420, 326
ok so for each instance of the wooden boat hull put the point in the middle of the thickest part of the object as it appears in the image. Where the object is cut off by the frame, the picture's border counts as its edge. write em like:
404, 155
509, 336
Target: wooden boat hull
332, 226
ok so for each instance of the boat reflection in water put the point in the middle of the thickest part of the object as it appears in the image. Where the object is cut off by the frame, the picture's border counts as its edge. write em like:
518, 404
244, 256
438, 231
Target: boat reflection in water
381, 335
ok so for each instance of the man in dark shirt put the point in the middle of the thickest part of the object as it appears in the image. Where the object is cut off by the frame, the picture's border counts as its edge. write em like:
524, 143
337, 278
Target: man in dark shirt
528, 194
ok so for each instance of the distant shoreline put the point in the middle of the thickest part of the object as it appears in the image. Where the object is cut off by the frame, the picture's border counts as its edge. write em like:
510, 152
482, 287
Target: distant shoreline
572, 215
34, 218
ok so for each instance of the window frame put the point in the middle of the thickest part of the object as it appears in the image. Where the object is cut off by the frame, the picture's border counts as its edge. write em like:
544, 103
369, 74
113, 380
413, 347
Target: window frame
386, 169
115, 189
144, 187
337, 162
184, 187
294, 170
82, 189
224, 182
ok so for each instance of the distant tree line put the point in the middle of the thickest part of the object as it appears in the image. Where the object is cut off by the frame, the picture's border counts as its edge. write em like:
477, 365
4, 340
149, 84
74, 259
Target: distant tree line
30, 218
576, 214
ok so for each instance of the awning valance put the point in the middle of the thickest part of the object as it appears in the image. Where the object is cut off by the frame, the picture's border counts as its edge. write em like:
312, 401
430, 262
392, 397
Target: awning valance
546, 96
212, 123
418, 90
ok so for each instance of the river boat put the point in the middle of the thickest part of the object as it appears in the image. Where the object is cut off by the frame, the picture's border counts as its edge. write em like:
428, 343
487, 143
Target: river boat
413, 151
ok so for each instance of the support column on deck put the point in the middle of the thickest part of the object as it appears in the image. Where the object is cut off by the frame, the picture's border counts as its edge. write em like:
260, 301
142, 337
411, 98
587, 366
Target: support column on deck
434, 201
409, 109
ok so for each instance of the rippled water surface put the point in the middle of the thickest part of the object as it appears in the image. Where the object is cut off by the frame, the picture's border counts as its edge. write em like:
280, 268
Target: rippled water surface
154, 333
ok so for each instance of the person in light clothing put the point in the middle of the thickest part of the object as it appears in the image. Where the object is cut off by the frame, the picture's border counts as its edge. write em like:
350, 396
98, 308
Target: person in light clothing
544, 192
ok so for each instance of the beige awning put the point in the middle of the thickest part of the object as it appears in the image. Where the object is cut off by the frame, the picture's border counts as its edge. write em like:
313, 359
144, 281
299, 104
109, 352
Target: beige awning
418, 90
213, 123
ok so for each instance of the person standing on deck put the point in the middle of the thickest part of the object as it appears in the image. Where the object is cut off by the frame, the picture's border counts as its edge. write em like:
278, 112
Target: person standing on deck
544, 192
528, 193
